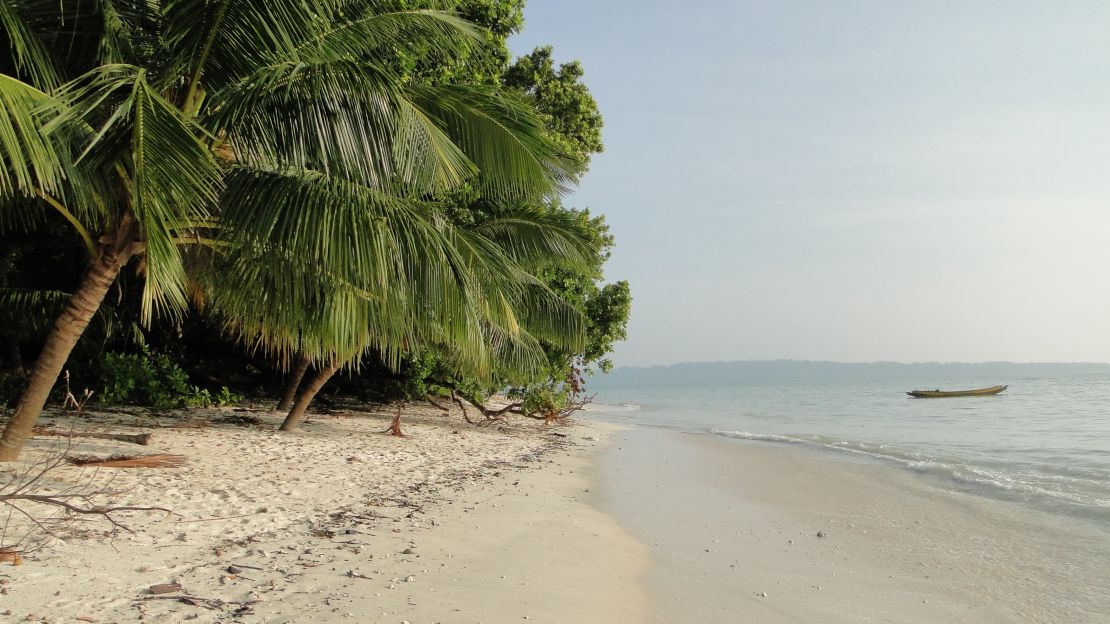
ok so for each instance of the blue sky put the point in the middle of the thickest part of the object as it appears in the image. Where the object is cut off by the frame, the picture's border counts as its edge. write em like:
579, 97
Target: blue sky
853, 180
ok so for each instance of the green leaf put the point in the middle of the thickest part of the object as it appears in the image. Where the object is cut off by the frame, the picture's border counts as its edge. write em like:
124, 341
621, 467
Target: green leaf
29, 158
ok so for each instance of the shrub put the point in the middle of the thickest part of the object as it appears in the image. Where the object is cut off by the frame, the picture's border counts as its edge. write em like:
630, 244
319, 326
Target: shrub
147, 379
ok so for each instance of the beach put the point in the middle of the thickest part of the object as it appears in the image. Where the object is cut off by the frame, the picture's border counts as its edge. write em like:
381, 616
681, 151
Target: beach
453, 523
525, 522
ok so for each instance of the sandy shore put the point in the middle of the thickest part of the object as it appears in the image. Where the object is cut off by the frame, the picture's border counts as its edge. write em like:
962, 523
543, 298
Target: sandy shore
772, 533
454, 523
585, 523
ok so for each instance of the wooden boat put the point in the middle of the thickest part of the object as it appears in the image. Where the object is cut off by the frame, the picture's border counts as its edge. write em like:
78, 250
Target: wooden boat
940, 394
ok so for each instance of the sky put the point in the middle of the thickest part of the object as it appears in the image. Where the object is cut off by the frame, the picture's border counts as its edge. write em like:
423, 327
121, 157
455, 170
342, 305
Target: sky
852, 180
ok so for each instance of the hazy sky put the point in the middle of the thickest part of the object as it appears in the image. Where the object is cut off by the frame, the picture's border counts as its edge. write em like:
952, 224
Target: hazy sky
850, 180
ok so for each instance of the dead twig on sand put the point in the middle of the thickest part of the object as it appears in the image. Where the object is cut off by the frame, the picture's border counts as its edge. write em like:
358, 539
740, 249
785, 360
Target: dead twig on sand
84, 506
208, 603
130, 461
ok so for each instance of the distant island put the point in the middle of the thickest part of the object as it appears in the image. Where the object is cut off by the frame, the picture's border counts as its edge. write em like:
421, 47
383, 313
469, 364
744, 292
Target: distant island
807, 371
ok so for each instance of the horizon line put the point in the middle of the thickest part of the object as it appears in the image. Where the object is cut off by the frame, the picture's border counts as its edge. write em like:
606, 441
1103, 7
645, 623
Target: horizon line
867, 362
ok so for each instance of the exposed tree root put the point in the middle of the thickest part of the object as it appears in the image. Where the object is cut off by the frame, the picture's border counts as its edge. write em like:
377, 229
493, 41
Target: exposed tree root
395, 426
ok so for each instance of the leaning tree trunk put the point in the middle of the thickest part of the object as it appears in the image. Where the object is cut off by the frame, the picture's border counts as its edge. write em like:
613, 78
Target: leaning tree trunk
293, 420
67, 329
294, 383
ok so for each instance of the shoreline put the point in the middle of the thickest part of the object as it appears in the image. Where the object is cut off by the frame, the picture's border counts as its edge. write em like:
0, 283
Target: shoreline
592, 522
341, 523
775, 533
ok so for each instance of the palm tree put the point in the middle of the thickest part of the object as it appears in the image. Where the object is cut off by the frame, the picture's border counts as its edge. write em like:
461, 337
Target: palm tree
156, 127
429, 284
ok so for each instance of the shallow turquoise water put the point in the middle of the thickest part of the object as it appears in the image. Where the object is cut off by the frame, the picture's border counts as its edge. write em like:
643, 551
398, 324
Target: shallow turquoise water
1045, 442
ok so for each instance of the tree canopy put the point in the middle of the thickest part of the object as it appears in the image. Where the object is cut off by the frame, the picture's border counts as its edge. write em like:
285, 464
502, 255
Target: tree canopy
325, 182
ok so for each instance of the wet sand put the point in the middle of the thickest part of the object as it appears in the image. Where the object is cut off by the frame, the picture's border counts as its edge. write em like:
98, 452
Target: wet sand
769, 533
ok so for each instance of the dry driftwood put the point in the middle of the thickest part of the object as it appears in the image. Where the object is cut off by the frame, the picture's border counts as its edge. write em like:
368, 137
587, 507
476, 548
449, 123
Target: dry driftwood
143, 439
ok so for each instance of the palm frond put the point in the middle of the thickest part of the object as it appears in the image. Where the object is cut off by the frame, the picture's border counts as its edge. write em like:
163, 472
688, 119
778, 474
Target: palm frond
30, 311
501, 134
374, 31
536, 238
222, 41
516, 300
172, 177
29, 158
130, 31
28, 53
174, 180
377, 252
342, 117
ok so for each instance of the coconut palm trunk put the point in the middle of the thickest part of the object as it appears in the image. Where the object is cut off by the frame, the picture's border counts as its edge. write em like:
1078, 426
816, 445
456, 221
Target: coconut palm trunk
63, 336
293, 419
294, 383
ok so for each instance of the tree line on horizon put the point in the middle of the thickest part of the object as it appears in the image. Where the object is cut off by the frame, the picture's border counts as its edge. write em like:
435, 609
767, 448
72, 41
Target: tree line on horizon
284, 190
817, 371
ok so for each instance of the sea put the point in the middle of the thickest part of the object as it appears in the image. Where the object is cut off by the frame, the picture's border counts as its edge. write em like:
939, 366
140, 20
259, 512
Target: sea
1043, 443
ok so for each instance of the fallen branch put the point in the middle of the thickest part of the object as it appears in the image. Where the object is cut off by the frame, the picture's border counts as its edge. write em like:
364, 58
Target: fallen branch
455, 397
492, 415
560, 415
142, 439
39, 508
59, 501
436, 405
197, 601
130, 461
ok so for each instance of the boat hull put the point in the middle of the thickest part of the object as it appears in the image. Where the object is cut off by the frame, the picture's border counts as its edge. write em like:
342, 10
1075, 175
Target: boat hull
944, 394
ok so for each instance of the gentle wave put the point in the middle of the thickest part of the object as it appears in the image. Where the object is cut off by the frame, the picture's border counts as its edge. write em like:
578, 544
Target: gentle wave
609, 407
1086, 488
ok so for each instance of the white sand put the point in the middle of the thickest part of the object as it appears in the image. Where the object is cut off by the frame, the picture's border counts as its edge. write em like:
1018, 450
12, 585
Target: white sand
318, 521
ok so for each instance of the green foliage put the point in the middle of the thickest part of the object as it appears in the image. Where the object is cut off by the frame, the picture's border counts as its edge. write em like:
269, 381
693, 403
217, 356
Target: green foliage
607, 312
572, 121
562, 101
544, 399
429, 373
201, 397
154, 380
143, 379
225, 397
481, 63
289, 165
